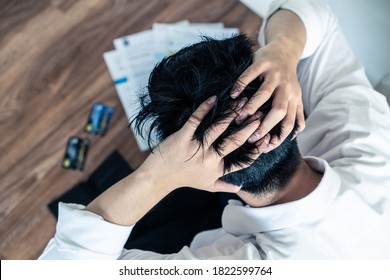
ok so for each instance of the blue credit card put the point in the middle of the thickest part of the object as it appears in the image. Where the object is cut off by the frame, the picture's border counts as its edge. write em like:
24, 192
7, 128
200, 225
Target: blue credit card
99, 119
76, 153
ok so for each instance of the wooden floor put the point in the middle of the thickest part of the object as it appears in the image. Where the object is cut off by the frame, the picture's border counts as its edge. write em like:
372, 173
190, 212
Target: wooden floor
51, 72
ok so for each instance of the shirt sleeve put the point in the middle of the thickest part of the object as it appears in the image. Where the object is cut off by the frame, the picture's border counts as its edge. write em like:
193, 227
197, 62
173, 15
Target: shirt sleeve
314, 16
81, 234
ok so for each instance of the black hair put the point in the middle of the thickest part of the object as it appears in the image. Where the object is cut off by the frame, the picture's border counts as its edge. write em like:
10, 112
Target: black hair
181, 82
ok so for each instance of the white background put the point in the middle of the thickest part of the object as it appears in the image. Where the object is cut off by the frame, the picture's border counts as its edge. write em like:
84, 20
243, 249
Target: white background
366, 24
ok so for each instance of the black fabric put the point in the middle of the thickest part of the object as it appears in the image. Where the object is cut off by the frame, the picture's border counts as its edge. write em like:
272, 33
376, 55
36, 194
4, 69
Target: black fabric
175, 221
168, 226
111, 170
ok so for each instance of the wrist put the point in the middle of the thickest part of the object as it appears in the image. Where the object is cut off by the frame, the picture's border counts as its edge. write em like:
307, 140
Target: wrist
285, 29
156, 180
290, 51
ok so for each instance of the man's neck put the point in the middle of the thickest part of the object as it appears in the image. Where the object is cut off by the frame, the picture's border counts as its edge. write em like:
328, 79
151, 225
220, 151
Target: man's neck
304, 182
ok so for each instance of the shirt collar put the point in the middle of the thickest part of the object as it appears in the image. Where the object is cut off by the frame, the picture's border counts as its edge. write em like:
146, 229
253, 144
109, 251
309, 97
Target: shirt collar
239, 220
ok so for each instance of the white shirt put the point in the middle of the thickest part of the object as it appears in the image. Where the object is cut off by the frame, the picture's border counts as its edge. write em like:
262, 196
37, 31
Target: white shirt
347, 138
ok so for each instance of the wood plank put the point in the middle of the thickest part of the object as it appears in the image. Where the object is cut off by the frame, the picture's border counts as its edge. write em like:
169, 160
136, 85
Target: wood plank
51, 72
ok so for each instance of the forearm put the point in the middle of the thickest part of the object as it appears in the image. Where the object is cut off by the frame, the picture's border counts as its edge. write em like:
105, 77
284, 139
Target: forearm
285, 31
100, 230
130, 199
176, 162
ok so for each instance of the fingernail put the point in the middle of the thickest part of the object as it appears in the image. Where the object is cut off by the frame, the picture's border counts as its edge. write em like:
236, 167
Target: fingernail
258, 115
241, 118
294, 136
235, 93
269, 148
211, 100
254, 137
242, 102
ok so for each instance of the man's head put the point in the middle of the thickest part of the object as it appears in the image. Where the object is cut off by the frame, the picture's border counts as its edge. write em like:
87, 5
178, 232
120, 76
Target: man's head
181, 82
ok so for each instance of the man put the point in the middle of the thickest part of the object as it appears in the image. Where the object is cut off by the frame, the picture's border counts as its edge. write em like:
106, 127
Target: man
333, 204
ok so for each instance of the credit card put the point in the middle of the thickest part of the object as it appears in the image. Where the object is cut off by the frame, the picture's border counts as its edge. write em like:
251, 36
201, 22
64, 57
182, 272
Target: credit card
99, 119
76, 153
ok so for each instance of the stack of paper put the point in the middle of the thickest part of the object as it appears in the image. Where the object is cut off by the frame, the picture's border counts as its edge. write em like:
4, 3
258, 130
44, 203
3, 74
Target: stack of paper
135, 56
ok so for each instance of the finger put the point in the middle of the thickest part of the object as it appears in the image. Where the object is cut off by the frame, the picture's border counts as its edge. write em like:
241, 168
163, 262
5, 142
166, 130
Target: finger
275, 115
236, 140
300, 120
286, 126
261, 145
251, 73
221, 186
238, 87
217, 129
256, 135
258, 99
193, 122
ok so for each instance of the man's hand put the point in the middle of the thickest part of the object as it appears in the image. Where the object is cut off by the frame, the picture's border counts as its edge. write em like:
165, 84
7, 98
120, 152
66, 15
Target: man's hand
275, 64
180, 161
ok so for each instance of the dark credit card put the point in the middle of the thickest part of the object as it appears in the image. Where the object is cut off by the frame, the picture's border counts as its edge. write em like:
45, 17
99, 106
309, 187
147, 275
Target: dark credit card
99, 119
76, 153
